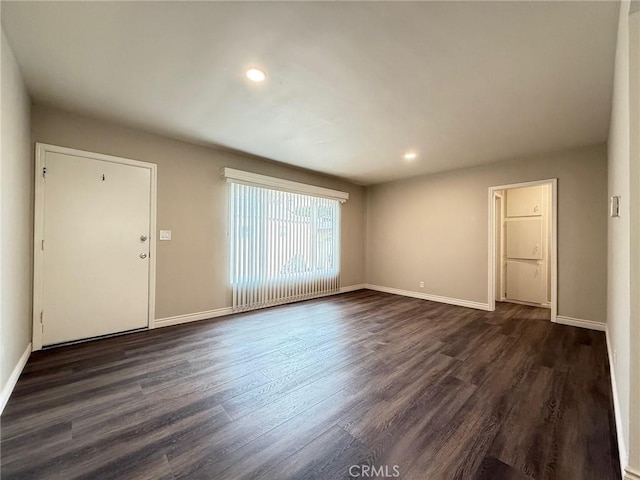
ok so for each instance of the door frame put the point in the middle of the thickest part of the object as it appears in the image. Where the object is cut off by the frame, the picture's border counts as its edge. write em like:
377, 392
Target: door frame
498, 195
38, 229
491, 294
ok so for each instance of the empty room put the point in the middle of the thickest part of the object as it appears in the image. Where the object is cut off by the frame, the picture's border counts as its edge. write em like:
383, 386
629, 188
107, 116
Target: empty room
320, 240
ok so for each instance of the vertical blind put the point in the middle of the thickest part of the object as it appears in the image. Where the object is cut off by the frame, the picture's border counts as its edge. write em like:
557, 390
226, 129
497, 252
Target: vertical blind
284, 246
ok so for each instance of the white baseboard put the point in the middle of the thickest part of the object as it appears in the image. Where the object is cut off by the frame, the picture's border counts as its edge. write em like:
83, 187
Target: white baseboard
220, 312
353, 288
579, 322
13, 378
622, 449
434, 298
631, 474
191, 317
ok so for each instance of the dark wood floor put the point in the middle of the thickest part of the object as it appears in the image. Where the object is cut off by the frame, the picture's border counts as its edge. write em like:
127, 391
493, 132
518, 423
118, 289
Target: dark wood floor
308, 390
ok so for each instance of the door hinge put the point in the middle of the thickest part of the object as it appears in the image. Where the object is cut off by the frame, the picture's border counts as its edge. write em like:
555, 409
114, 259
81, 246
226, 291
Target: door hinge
44, 172
42, 246
42, 321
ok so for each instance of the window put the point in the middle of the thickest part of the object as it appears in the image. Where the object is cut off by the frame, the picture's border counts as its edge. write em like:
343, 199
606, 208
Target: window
285, 246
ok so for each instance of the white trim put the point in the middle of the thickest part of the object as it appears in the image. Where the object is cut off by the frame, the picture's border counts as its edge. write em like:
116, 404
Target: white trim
491, 295
497, 194
221, 312
38, 229
433, 298
192, 317
248, 178
622, 450
631, 473
353, 288
579, 322
153, 237
38, 235
7, 389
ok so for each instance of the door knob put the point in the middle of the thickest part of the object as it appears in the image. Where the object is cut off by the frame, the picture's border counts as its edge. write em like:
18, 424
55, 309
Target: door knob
143, 238
143, 255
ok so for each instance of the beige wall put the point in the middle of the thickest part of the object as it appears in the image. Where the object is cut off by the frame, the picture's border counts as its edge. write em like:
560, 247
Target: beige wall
634, 212
619, 247
16, 204
192, 268
435, 229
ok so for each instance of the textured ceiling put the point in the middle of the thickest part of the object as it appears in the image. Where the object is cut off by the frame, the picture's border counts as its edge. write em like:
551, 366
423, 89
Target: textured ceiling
351, 85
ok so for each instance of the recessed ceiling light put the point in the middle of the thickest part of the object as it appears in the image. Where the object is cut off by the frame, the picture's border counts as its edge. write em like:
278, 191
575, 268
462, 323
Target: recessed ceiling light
255, 74
410, 155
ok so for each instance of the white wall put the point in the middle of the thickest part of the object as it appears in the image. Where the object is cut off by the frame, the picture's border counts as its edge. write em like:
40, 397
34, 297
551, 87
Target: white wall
634, 154
16, 205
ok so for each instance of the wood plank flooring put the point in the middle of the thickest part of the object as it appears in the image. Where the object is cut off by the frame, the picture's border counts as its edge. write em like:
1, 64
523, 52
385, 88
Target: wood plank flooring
359, 385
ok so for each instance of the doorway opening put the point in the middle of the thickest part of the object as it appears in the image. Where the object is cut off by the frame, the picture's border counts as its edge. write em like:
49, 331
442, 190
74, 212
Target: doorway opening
523, 244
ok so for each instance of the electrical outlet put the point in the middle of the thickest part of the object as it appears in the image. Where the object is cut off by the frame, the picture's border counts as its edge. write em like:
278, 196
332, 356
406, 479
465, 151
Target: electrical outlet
165, 234
421, 284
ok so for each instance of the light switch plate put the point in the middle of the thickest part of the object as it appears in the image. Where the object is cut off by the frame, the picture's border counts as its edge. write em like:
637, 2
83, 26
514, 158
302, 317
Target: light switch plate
615, 206
165, 234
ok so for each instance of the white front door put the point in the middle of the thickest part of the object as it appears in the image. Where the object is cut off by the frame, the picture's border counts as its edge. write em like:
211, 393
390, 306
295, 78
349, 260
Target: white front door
95, 266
